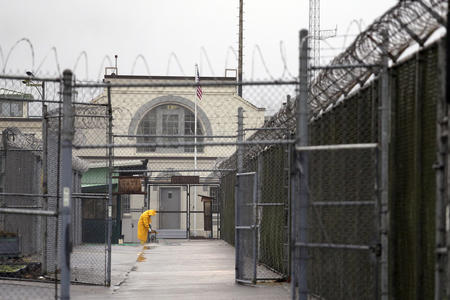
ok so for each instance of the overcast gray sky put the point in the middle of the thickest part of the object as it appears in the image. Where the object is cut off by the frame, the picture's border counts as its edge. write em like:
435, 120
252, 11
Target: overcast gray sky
156, 29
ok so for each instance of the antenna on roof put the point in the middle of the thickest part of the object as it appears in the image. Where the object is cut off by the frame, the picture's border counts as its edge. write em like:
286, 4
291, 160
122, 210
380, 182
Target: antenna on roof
113, 70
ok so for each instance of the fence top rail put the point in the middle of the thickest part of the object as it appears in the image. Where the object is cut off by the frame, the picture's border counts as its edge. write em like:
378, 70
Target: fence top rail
333, 246
266, 128
180, 144
342, 203
159, 183
77, 195
337, 147
19, 211
42, 79
174, 136
354, 66
173, 170
50, 101
183, 84
246, 174
26, 195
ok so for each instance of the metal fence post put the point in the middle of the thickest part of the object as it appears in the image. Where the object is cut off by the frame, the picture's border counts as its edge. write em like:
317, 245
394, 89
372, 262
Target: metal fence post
258, 209
254, 234
301, 165
384, 170
240, 138
440, 280
110, 169
66, 182
44, 179
295, 192
188, 212
446, 95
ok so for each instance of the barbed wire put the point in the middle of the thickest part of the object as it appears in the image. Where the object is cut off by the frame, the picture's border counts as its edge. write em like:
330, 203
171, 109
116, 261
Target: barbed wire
8, 55
142, 57
13, 137
102, 64
174, 55
407, 23
205, 53
86, 64
284, 61
106, 58
2, 57
257, 49
86, 117
230, 48
55, 54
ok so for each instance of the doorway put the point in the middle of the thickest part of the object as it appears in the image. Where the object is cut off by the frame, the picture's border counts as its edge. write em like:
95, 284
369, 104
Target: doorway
169, 208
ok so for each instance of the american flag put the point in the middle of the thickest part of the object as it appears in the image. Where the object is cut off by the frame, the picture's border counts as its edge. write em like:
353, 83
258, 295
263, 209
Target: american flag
199, 88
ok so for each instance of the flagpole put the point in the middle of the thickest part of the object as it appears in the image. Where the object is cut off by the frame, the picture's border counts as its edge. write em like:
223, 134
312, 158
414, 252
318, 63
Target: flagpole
195, 127
195, 150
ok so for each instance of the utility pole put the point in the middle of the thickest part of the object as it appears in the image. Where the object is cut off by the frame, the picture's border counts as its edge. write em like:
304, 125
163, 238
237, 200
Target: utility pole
314, 31
316, 35
66, 183
240, 54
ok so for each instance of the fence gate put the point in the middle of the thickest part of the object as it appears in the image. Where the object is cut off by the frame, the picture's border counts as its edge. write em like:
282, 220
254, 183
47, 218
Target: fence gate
342, 246
246, 227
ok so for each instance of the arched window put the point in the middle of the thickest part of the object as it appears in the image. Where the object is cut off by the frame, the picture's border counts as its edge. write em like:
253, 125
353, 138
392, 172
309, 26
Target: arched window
169, 119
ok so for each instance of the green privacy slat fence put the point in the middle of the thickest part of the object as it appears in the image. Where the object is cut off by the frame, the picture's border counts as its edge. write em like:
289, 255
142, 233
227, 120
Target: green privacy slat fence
273, 238
415, 92
413, 184
343, 176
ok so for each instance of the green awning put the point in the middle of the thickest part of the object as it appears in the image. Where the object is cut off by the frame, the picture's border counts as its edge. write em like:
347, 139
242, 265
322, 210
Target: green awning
96, 177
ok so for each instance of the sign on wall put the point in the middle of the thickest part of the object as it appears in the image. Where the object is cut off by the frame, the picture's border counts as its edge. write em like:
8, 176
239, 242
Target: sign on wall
185, 179
130, 185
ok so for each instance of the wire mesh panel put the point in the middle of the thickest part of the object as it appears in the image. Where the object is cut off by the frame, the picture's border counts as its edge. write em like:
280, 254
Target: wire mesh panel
273, 213
161, 131
89, 256
97, 212
342, 236
25, 272
11, 289
28, 207
246, 234
28, 214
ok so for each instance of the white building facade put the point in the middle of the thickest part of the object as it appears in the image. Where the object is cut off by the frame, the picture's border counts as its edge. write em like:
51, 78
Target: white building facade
147, 115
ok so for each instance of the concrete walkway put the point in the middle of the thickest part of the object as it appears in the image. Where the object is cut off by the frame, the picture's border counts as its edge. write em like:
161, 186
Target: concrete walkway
178, 269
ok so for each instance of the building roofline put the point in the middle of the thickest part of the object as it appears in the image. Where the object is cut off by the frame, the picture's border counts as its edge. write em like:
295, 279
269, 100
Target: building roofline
150, 158
212, 78
21, 119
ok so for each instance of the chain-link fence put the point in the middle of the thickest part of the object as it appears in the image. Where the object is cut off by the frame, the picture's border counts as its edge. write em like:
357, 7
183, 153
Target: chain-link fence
271, 164
29, 224
414, 190
352, 212
176, 143
263, 206
90, 261
385, 239
180, 148
31, 193
342, 220
149, 143
26, 252
28, 214
246, 228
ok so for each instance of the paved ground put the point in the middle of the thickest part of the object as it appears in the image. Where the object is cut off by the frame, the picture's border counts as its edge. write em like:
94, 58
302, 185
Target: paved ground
88, 265
177, 269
